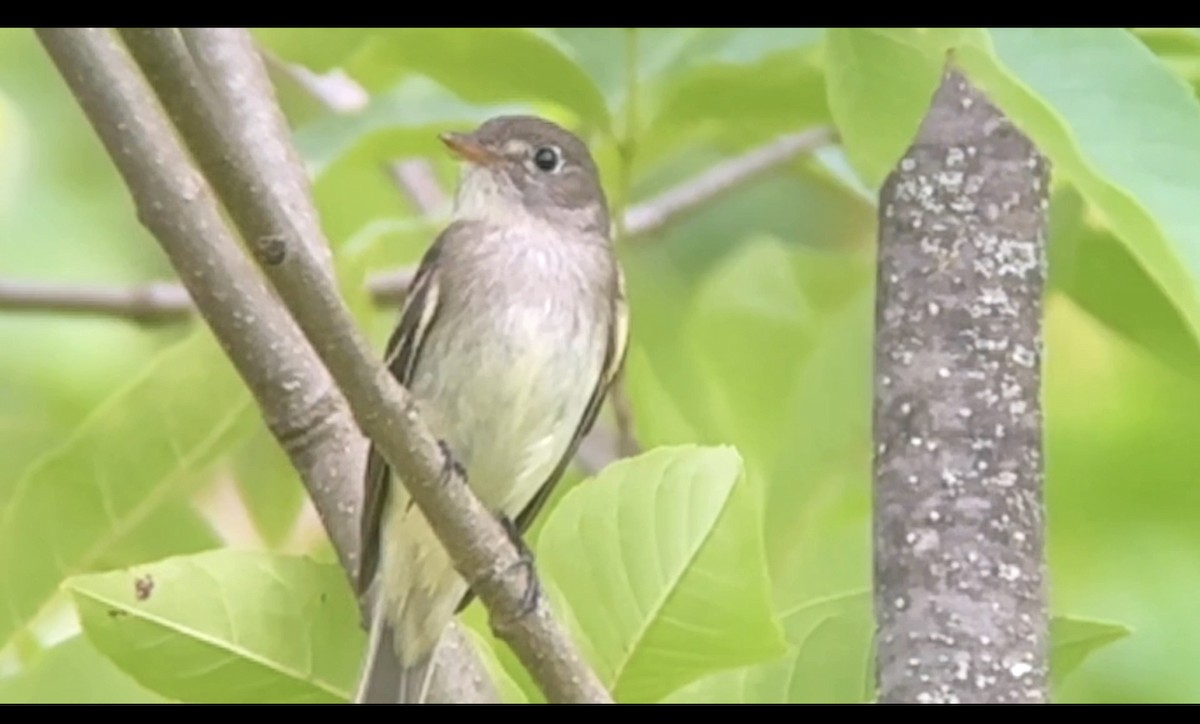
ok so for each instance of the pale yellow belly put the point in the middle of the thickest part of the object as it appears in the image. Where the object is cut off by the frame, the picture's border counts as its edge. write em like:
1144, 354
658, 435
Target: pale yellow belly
508, 420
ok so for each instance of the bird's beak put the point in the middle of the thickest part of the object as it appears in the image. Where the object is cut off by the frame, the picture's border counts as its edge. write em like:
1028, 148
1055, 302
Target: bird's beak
467, 148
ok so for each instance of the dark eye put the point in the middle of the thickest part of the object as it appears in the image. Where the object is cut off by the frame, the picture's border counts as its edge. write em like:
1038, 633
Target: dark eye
546, 158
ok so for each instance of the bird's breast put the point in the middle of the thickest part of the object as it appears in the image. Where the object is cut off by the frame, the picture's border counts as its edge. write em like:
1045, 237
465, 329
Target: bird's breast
507, 372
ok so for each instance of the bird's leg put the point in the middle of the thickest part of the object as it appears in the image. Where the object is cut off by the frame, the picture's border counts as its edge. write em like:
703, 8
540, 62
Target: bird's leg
525, 561
451, 467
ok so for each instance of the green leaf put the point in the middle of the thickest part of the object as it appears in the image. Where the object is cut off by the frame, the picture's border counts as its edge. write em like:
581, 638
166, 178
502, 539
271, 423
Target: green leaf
1074, 639
348, 155
829, 660
228, 626
319, 49
1118, 125
73, 672
602, 53
880, 83
269, 486
484, 65
1179, 48
1087, 262
831, 657
746, 46
403, 121
660, 562
750, 314
110, 495
14, 135
818, 502
741, 108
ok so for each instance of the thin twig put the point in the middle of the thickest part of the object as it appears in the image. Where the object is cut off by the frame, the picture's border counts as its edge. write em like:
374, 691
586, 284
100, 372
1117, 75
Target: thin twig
335, 90
475, 540
653, 215
416, 178
418, 181
150, 303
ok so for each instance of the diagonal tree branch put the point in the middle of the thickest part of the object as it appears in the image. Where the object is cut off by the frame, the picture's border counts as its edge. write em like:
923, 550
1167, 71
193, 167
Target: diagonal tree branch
301, 406
477, 543
125, 115
245, 167
267, 166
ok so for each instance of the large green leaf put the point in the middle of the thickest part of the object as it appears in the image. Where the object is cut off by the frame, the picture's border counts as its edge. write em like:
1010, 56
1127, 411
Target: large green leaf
1111, 116
73, 672
750, 314
660, 562
228, 626
1088, 262
664, 55
13, 137
1179, 48
483, 65
829, 660
1120, 126
880, 82
819, 488
785, 92
110, 495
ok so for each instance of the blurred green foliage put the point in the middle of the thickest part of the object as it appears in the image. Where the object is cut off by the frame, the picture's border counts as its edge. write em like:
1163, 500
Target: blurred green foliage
749, 369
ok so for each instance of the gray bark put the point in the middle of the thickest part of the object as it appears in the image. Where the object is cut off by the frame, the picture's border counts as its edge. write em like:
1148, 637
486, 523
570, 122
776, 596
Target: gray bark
959, 569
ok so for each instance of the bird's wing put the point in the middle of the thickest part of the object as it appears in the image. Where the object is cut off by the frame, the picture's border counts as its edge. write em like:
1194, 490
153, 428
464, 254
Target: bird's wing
614, 358
403, 349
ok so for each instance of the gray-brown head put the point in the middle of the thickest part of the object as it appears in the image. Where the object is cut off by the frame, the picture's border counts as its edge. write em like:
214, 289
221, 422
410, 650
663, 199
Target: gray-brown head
522, 167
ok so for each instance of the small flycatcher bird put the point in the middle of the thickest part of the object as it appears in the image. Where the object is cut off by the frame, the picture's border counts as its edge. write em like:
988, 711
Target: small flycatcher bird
514, 328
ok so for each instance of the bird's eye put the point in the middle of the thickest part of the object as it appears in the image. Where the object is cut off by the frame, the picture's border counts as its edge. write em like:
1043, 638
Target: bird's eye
546, 158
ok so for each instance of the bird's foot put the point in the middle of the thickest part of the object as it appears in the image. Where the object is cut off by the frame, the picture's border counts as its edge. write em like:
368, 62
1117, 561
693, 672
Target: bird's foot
529, 599
451, 467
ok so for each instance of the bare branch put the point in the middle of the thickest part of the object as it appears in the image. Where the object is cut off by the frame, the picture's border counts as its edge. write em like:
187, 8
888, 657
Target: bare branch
959, 527
475, 540
653, 215
418, 181
248, 103
302, 408
416, 178
335, 90
150, 303
147, 302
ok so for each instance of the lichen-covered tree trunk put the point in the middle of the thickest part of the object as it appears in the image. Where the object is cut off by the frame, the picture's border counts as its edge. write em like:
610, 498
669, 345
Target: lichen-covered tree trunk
959, 568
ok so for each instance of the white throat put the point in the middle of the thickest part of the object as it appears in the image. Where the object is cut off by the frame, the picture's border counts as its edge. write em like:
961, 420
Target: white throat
485, 197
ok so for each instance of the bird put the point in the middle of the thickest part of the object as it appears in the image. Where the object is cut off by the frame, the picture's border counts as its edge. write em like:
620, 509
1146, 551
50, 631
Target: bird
513, 331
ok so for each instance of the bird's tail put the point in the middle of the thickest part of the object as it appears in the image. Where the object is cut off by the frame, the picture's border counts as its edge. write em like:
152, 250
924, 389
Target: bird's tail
385, 679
